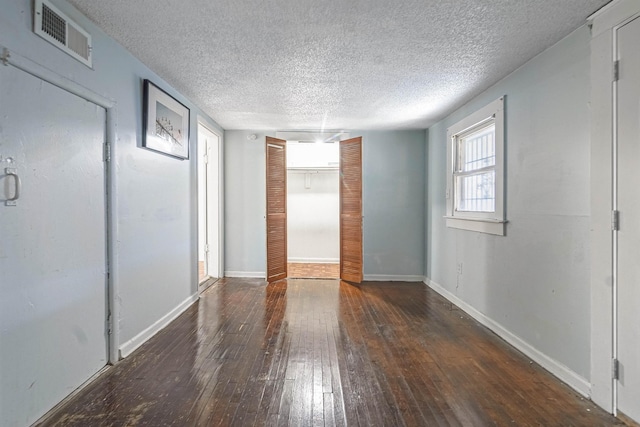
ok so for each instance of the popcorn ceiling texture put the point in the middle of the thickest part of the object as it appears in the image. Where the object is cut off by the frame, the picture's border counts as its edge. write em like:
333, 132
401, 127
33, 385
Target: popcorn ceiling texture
340, 64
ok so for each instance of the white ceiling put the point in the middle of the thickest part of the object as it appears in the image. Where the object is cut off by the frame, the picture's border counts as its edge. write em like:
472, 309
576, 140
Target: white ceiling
334, 64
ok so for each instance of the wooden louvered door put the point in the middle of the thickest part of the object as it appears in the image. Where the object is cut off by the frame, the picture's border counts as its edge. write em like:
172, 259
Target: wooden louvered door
276, 209
351, 210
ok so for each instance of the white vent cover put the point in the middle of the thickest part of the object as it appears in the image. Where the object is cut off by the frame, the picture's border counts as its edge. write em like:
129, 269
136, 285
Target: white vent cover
55, 27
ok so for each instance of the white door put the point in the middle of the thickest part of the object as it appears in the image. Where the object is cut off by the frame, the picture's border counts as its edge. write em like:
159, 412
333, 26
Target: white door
208, 203
628, 336
53, 287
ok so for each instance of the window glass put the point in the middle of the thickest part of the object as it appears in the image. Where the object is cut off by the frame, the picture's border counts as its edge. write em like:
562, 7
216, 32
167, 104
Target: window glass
478, 149
476, 176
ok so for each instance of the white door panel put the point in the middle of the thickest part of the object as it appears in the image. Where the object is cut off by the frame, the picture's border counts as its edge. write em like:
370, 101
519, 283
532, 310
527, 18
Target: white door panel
629, 206
53, 292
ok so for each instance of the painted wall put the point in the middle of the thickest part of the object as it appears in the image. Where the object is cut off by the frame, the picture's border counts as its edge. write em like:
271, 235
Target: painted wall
534, 281
393, 203
313, 215
155, 205
245, 226
393, 186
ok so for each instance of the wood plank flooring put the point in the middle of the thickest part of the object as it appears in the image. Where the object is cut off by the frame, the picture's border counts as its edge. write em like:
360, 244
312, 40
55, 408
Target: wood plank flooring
299, 270
201, 274
325, 352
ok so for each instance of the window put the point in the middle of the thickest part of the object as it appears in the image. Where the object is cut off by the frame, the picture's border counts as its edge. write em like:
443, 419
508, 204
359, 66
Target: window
475, 184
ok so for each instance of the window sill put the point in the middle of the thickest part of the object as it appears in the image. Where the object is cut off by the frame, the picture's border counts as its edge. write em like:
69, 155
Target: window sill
488, 226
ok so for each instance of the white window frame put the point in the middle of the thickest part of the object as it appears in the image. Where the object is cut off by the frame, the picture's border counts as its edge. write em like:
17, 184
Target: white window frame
483, 222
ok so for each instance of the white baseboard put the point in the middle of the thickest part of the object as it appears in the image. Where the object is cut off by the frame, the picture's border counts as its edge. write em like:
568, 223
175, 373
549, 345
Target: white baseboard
315, 260
135, 342
572, 379
248, 274
392, 278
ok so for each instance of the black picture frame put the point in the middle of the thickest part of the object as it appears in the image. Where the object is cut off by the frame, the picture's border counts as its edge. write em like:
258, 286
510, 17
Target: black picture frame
165, 123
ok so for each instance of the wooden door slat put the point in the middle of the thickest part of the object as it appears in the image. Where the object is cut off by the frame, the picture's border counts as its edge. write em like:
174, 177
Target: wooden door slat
351, 210
276, 209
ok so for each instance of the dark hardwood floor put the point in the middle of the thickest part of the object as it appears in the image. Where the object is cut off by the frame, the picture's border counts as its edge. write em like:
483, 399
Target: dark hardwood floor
325, 352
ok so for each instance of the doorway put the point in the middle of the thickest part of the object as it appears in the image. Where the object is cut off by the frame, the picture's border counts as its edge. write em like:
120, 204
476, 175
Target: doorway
313, 209
627, 300
53, 268
209, 230
350, 209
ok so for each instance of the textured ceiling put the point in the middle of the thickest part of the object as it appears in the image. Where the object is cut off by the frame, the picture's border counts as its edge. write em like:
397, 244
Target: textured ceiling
334, 64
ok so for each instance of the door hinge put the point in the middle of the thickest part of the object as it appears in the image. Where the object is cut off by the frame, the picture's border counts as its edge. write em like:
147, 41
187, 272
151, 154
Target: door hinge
616, 70
106, 153
206, 159
615, 220
109, 324
615, 369
206, 248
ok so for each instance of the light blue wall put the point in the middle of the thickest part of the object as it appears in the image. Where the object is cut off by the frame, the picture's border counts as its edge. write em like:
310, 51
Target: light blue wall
245, 203
155, 198
535, 280
393, 202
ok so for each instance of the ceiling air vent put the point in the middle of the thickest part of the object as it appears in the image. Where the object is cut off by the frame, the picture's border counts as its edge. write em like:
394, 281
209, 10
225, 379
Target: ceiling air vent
55, 27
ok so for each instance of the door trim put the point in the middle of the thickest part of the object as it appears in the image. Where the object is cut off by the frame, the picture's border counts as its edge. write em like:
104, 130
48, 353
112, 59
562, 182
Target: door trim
111, 227
220, 260
616, 382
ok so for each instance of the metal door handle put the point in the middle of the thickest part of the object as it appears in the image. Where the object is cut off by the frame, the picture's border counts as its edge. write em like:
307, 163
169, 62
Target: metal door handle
18, 185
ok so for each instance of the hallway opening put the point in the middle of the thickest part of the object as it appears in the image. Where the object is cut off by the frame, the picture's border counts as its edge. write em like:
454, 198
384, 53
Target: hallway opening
209, 206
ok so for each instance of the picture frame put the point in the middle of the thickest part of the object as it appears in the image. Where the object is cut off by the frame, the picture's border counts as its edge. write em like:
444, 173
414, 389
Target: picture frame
165, 123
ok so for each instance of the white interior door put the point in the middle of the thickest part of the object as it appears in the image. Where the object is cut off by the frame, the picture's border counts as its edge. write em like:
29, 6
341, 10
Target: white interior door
208, 203
53, 287
628, 334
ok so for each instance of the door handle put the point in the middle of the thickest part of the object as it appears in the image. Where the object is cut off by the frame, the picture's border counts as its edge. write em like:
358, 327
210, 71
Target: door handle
18, 185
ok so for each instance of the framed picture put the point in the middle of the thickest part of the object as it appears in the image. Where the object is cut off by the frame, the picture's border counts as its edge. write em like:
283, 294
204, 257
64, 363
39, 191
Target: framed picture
166, 123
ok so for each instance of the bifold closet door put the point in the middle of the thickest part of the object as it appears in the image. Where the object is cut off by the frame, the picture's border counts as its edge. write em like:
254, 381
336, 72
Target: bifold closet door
276, 150
351, 210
